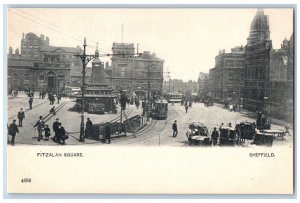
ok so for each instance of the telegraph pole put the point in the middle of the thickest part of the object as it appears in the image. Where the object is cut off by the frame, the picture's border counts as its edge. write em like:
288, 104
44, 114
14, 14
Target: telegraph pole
85, 60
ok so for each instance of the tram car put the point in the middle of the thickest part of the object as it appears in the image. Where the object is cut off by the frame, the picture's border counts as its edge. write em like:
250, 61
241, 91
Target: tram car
160, 109
174, 97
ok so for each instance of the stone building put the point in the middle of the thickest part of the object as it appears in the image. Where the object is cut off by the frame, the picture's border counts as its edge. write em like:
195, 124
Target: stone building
262, 77
132, 73
266, 72
290, 52
40, 66
67, 55
201, 80
178, 85
227, 75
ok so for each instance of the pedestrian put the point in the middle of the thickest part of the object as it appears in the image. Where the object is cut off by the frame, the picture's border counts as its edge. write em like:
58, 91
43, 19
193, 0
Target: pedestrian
39, 126
21, 116
88, 128
55, 129
30, 102
186, 108
13, 130
40, 95
221, 126
52, 99
259, 120
215, 136
52, 110
47, 132
62, 134
58, 98
229, 125
107, 133
287, 129
174, 127
137, 103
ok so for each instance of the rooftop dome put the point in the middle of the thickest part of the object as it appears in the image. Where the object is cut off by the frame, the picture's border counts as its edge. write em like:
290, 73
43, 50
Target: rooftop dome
259, 29
96, 60
259, 22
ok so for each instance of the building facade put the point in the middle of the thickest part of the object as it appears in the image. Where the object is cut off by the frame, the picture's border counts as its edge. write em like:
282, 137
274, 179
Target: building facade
40, 66
178, 85
132, 73
201, 80
262, 78
267, 87
227, 75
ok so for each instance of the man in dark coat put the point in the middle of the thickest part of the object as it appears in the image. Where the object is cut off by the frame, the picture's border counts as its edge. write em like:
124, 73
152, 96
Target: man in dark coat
55, 129
61, 133
88, 128
107, 133
259, 120
40, 124
174, 127
21, 116
58, 98
215, 136
186, 108
13, 130
30, 102
52, 110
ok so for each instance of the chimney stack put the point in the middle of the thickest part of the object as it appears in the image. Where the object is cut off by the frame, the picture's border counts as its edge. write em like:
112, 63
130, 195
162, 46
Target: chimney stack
10, 51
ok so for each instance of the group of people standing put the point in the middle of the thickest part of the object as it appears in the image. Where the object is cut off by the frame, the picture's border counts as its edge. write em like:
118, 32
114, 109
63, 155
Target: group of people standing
42, 95
60, 132
13, 127
40, 127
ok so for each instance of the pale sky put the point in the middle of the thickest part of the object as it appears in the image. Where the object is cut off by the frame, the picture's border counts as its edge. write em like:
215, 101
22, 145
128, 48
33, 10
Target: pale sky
186, 39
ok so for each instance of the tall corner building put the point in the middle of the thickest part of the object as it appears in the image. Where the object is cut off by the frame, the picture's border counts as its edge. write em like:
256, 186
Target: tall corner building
268, 73
257, 62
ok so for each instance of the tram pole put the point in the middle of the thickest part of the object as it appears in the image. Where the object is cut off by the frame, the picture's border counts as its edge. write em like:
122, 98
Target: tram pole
85, 59
81, 138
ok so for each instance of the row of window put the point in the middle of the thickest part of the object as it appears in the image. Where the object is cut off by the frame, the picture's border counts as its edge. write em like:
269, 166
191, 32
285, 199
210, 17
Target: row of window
30, 46
30, 55
231, 64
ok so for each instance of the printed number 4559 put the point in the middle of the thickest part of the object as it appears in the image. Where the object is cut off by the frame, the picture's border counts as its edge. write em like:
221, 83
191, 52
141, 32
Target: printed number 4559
26, 180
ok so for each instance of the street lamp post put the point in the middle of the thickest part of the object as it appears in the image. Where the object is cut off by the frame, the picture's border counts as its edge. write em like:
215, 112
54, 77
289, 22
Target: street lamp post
85, 60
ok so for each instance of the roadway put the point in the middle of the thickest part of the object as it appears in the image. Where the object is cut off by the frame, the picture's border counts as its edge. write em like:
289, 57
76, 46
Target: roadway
156, 133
